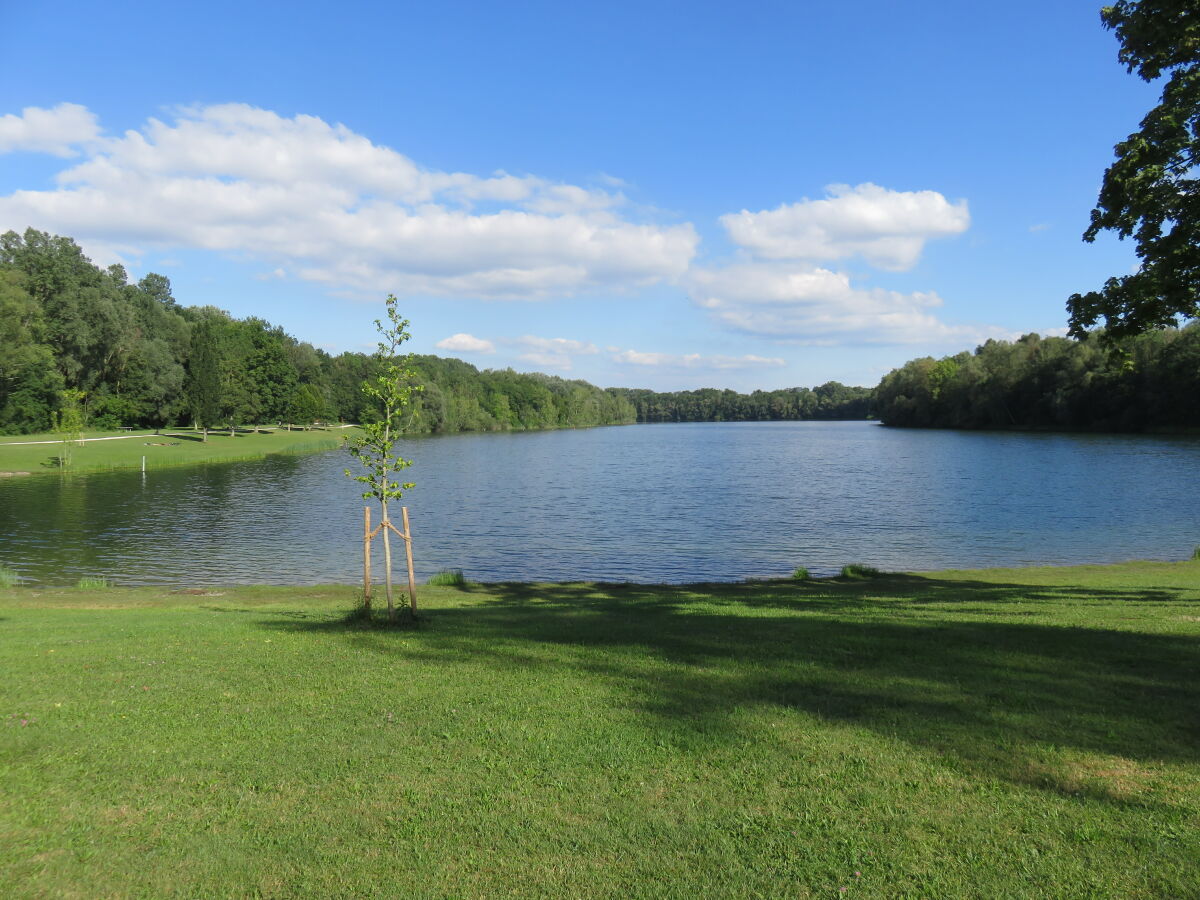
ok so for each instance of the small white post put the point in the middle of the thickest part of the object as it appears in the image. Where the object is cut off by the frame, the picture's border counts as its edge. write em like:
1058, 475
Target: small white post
143, 465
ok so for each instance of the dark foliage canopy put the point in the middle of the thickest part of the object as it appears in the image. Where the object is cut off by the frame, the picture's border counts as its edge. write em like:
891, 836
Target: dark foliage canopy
1151, 193
1053, 383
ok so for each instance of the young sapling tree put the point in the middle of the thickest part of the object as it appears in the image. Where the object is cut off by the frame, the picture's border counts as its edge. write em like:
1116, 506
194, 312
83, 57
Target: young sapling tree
390, 392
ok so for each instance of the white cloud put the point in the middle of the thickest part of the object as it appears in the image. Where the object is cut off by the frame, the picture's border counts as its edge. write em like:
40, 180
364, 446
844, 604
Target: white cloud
886, 228
316, 201
554, 353
56, 131
811, 305
695, 360
331, 206
778, 290
466, 343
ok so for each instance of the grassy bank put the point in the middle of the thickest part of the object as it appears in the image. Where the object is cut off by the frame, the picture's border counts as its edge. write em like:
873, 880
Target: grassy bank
28, 454
1001, 733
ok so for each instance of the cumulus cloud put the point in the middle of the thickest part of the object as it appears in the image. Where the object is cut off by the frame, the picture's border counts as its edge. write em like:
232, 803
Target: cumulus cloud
466, 343
553, 353
335, 208
779, 290
695, 360
886, 228
58, 131
813, 305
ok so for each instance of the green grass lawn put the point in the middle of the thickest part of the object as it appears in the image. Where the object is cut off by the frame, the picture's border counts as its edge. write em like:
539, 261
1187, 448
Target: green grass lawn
992, 734
171, 447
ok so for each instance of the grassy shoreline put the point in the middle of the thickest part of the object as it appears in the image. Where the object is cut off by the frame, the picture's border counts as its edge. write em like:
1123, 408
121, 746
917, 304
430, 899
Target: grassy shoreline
22, 455
1016, 733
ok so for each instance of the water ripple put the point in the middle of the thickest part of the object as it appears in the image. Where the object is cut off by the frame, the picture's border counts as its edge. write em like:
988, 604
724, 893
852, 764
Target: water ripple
649, 503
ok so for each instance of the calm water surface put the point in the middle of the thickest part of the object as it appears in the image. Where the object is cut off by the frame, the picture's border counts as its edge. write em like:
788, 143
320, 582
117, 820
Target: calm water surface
672, 503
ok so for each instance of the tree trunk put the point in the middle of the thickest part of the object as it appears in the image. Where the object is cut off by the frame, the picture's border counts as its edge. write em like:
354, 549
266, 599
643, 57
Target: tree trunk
367, 559
412, 581
387, 563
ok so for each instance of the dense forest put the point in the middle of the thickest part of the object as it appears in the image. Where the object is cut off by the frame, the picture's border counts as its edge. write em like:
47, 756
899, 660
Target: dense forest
139, 358
829, 401
1148, 382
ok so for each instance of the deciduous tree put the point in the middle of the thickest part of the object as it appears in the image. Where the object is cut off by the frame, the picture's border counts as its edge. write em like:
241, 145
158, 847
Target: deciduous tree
306, 405
1151, 192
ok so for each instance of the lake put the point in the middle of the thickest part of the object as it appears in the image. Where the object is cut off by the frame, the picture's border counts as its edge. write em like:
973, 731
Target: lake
656, 503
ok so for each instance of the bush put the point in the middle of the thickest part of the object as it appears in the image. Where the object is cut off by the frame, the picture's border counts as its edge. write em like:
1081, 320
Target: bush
1196, 553
8, 578
448, 578
92, 582
801, 574
855, 570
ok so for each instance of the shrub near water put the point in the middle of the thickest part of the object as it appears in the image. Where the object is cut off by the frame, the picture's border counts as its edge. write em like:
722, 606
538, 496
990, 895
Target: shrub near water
8, 577
448, 578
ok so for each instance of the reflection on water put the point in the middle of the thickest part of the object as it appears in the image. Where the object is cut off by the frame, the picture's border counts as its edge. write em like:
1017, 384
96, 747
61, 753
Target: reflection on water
686, 502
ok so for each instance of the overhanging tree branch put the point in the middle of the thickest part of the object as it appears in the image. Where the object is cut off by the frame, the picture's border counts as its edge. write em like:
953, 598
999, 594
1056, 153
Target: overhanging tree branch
1149, 192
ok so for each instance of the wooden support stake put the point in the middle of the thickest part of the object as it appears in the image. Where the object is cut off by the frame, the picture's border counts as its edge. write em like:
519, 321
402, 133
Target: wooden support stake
367, 558
412, 581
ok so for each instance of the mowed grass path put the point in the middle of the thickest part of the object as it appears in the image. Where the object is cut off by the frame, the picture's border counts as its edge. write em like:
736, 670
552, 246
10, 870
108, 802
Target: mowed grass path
171, 447
1003, 733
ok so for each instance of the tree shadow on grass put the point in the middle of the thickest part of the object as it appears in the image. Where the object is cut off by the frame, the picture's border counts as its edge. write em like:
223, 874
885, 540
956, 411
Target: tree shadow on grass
840, 594
995, 697
919, 589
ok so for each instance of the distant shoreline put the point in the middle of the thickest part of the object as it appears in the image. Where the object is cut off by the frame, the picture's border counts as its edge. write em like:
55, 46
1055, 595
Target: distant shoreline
107, 451
34, 454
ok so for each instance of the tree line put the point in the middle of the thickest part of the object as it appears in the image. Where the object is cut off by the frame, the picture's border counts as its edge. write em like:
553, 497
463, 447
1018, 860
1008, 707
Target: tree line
1147, 382
71, 332
136, 357
831, 400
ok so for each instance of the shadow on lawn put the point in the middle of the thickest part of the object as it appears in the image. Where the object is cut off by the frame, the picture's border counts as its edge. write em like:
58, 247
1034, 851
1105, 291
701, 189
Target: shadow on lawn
995, 697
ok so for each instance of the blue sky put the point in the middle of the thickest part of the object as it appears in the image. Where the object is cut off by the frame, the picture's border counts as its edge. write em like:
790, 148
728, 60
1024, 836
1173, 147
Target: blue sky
668, 195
